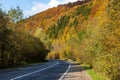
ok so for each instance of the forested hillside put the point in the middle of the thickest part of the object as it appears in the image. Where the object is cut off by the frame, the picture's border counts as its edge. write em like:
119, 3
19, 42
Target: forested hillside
85, 31
47, 18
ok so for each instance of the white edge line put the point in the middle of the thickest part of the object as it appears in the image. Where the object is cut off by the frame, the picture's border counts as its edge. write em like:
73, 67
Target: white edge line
65, 72
34, 72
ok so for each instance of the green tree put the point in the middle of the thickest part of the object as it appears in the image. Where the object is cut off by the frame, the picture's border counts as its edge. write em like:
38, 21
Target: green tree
43, 37
4, 34
15, 14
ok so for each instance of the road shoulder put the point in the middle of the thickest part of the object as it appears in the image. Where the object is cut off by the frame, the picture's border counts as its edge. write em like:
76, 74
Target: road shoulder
77, 73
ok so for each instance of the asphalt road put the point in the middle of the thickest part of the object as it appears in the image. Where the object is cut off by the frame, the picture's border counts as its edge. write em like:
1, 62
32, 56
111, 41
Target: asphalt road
52, 70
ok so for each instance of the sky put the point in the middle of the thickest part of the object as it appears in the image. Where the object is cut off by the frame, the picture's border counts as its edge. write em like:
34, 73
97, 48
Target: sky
31, 7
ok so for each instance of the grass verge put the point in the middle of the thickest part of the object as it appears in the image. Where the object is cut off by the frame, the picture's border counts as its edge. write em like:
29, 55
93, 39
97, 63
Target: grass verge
92, 73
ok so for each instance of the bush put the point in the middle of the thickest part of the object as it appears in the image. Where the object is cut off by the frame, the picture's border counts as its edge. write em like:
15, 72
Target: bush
108, 65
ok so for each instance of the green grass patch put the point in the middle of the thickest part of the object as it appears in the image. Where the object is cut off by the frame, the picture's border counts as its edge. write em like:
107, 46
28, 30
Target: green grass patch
92, 73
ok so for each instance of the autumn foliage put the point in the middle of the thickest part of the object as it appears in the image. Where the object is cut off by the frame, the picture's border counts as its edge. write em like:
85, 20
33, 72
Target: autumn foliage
87, 32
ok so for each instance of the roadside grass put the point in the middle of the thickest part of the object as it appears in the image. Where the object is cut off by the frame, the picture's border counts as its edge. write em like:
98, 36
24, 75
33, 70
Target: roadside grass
92, 73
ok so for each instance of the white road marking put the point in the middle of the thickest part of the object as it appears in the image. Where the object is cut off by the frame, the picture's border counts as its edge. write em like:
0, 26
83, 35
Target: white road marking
33, 72
21, 68
65, 72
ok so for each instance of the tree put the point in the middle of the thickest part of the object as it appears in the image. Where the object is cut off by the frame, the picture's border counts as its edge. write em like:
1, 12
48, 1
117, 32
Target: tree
15, 14
43, 37
4, 34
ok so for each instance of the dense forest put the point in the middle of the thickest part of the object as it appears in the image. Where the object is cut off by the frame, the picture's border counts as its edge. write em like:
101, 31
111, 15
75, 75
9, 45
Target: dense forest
85, 31
18, 47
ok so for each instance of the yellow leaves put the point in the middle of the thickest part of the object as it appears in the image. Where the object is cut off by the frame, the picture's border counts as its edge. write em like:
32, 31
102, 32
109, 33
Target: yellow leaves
102, 9
68, 36
51, 55
65, 34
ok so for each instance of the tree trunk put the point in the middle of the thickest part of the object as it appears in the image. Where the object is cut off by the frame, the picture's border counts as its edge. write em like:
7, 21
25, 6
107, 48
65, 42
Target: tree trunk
13, 59
2, 55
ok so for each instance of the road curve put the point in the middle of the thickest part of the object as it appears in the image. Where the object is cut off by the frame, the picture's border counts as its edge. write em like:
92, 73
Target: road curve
52, 70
